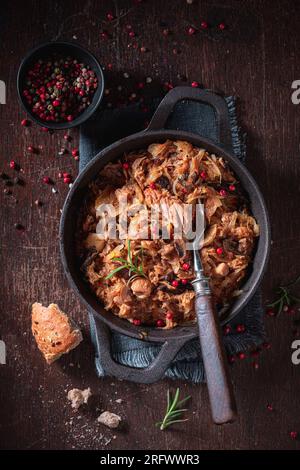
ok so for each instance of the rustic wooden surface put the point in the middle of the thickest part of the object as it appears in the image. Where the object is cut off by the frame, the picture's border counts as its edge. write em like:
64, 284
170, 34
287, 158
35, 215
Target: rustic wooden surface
256, 58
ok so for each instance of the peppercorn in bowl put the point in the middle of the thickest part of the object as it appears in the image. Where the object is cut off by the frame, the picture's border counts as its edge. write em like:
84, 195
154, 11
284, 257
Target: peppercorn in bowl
60, 85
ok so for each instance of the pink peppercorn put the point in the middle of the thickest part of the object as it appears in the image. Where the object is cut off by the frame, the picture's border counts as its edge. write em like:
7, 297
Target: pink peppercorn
191, 31
195, 84
185, 266
13, 165
240, 328
222, 192
25, 123
175, 283
204, 24
222, 26
160, 323
46, 180
219, 251
75, 152
125, 165
184, 282
241, 356
67, 180
169, 315
136, 321
152, 186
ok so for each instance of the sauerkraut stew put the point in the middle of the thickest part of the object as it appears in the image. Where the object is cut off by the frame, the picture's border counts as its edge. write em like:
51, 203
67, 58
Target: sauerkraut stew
148, 281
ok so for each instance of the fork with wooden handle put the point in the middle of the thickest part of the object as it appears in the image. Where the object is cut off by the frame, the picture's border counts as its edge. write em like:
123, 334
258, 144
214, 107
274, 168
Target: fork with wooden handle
219, 385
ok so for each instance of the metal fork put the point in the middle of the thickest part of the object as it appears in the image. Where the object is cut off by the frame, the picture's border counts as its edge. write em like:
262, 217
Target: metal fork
219, 384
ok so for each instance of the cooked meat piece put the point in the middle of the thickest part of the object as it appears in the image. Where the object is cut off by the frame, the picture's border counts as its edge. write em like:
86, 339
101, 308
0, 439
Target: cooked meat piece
141, 287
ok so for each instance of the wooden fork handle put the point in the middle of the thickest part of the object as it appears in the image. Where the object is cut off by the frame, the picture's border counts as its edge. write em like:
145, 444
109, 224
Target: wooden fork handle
219, 385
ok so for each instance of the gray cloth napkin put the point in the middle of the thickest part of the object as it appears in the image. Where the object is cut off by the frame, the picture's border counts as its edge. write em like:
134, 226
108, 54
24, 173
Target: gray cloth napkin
107, 127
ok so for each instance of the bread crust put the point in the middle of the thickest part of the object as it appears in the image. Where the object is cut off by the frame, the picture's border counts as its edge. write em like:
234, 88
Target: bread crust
54, 332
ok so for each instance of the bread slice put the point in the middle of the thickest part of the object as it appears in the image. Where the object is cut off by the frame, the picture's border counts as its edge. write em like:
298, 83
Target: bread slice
54, 332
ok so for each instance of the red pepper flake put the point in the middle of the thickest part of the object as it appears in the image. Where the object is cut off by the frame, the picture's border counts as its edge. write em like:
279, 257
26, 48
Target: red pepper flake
222, 192
204, 25
160, 323
136, 322
222, 26
185, 266
175, 283
169, 315
195, 84
25, 123
241, 356
219, 251
240, 328
293, 435
191, 31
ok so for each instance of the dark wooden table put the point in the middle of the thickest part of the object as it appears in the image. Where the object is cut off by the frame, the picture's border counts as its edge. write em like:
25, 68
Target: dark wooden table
257, 59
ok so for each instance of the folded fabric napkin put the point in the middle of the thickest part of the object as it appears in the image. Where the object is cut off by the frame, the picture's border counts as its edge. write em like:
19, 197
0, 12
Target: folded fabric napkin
111, 125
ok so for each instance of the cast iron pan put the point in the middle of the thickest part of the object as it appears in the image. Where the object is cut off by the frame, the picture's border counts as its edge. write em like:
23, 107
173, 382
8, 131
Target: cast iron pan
173, 340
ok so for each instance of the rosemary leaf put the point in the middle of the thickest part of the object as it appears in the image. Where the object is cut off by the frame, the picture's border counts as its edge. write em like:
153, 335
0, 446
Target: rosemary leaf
173, 412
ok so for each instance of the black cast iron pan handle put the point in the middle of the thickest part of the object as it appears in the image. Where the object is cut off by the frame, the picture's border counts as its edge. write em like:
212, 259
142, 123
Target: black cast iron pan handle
169, 349
150, 374
182, 93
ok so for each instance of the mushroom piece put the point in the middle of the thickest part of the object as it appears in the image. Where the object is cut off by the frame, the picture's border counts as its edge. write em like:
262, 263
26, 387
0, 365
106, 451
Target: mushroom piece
222, 269
141, 288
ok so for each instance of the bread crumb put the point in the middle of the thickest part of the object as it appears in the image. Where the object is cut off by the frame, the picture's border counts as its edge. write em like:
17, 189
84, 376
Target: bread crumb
119, 400
78, 397
111, 420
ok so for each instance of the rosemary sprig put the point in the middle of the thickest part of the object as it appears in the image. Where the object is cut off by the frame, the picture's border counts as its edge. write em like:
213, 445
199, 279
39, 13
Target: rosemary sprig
173, 412
134, 266
284, 297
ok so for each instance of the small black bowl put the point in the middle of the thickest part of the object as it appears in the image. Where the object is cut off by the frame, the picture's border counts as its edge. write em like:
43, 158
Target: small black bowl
64, 49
